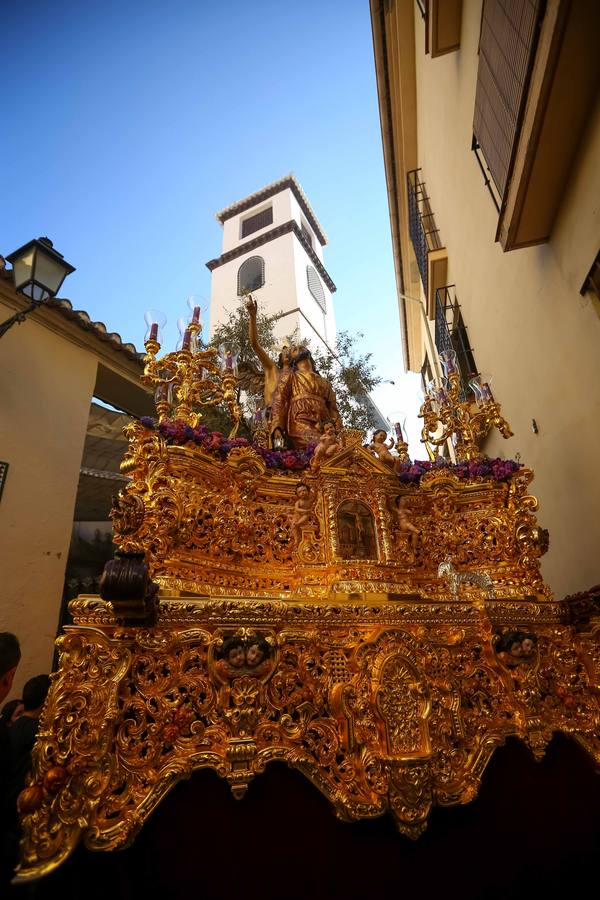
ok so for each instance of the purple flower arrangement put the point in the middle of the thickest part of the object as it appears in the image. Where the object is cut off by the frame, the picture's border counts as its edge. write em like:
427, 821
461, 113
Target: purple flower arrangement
496, 469
178, 433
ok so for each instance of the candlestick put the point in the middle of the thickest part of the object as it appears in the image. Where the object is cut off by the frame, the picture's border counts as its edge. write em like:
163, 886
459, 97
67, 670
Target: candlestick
187, 338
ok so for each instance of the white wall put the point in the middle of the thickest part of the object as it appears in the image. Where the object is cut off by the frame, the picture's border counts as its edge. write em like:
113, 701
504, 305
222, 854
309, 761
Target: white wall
232, 228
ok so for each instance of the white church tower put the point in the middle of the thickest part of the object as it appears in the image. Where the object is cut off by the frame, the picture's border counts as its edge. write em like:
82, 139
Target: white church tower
273, 245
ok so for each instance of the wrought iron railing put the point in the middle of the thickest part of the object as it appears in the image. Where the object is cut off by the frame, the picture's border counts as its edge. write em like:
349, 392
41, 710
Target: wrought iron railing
451, 334
421, 224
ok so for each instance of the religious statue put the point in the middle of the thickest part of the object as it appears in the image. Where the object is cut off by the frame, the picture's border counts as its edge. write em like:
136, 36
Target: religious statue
302, 403
379, 448
273, 371
302, 511
405, 526
328, 445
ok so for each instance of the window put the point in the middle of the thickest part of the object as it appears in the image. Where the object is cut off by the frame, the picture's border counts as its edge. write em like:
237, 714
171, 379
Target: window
306, 233
315, 287
257, 221
251, 275
506, 50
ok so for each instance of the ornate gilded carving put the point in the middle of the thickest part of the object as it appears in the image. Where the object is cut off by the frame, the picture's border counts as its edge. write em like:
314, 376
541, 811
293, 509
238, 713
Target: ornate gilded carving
381, 717
381, 628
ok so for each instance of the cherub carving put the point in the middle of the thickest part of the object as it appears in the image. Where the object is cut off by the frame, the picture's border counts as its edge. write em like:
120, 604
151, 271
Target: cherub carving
302, 511
380, 448
328, 445
405, 526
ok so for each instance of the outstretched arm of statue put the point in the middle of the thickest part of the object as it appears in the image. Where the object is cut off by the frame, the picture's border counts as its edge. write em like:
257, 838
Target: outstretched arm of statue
266, 361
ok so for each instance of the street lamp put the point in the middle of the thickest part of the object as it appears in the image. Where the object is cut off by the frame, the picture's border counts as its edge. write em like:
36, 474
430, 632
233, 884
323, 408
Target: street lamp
39, 271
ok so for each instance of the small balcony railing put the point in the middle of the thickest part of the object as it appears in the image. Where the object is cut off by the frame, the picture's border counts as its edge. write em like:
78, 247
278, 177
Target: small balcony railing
451, 334
424, 235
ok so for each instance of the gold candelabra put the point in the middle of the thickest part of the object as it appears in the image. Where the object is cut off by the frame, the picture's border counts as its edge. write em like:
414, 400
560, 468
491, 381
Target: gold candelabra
462, 421
191, 377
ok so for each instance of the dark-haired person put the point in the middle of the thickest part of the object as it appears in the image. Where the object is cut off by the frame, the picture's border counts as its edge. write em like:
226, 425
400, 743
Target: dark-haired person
11, 711
10, 655
22, 738
22, 733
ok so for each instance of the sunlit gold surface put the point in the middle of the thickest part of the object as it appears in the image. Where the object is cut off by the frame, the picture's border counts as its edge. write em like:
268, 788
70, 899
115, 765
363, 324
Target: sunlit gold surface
397, 660
394, 706
447, 417
195, 380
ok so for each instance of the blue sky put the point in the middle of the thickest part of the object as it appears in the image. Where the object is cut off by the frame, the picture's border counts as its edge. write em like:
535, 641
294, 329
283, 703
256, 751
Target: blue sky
128, 125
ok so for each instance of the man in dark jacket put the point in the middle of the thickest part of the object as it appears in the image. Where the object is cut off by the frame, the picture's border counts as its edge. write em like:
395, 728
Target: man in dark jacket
10, 654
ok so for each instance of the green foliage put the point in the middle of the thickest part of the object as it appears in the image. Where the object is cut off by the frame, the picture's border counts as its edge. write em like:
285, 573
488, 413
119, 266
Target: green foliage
234, 334
351, 374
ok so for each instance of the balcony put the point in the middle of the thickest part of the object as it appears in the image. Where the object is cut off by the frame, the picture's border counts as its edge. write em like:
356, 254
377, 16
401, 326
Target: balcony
451, 334
431, 255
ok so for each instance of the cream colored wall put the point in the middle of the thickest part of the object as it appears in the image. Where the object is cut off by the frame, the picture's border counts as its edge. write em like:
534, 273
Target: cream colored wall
282, 212
528, 324
278, 294
47, 383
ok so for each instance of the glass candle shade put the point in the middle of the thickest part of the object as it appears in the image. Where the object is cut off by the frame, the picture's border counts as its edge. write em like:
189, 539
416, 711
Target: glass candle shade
196, 308
163, 393
155, 323
449, 362
228, 361
480, 385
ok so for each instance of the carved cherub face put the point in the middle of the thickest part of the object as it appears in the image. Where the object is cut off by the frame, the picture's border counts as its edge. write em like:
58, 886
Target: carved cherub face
516, 648
329, 429
302, 491
254, 655
379, 437
236, 656
527, 646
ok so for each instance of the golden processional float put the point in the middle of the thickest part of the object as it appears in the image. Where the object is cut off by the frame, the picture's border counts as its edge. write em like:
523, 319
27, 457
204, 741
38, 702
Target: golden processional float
377, 624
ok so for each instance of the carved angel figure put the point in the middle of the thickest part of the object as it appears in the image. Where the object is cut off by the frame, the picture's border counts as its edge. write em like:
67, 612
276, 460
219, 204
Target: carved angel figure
302, 511
378, 447
405, 526
328, 445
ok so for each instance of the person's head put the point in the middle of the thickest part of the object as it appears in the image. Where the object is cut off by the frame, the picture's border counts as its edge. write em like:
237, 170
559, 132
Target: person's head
379, 435
298, 353
516, 648
233, 652
257, 651
400, 501
35, 692
302, 490
10, 654
328, 427
11, 711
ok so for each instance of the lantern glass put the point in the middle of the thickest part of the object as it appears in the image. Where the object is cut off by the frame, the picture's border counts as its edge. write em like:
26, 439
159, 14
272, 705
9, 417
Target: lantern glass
39, 270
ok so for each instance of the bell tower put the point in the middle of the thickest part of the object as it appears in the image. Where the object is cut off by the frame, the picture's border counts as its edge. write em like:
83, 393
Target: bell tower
273, 246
